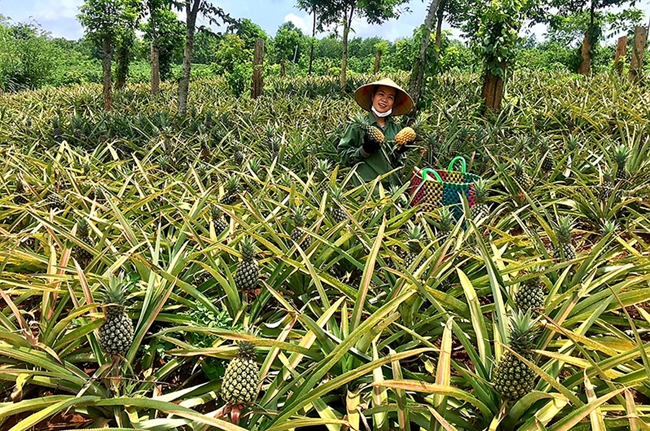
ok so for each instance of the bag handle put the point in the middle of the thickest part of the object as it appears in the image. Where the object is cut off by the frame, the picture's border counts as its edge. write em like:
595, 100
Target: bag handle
430, 171
463, 164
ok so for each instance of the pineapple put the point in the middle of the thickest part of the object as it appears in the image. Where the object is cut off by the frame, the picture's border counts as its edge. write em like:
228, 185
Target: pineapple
530, 296
241, 381
322, 174
564, 250
373, 133
606, 189
406, 135
337, 212
232, 191
298, 234
238, 155
218, 221
414, 245
247, 274
521, 176
81, 254
620, 156
55, 201
548, 161
481, 209
116, 333
512, 378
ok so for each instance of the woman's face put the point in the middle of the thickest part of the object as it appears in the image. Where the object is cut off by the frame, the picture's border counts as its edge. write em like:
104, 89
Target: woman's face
384, 98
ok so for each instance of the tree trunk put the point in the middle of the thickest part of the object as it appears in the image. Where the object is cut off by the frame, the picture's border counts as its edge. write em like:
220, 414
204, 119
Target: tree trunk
621, 49
493, 90
377, 60
417, 73
155, 68
283, 69
107, 52
313, 38
258, 65
441, 16
636, 65
184, 82
122, 66
585, 64
347, 22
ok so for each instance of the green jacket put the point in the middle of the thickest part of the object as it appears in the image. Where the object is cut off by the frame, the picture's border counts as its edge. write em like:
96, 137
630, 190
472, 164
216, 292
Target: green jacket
378, 163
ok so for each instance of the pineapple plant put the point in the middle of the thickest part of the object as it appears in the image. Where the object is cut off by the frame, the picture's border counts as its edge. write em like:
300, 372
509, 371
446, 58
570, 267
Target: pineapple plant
446, 222
116, 333
248, 272
620, 156
238, 155
521, 176
218, 221
81, 254
232, 191
298, 234
563, 250
373, 133
530, 296
414, 246
548, 160
55, 201
241, 380
512, 378
481, 209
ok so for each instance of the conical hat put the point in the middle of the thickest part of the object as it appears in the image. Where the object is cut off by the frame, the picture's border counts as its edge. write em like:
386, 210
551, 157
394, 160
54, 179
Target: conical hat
403, 102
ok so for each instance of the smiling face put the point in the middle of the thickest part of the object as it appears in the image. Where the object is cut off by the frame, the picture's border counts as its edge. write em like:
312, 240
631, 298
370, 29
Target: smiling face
384, 98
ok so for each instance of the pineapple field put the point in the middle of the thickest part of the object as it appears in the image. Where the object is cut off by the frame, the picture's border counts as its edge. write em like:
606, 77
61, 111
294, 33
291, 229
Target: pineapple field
223, 271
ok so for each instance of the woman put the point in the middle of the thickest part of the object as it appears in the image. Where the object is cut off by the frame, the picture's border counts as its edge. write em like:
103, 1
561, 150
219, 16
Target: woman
363, 147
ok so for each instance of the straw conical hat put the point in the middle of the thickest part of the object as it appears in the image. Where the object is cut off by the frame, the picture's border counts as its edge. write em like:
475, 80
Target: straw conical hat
403, 102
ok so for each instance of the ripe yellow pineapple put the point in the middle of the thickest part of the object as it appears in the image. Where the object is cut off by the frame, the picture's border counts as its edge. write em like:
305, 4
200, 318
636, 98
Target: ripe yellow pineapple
241, 381
373, 133
405, 136
116, 334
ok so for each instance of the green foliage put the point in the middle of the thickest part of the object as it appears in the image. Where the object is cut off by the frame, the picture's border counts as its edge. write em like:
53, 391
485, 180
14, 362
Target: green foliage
27, 59
171, 36
494, 31
104, 20
231, 53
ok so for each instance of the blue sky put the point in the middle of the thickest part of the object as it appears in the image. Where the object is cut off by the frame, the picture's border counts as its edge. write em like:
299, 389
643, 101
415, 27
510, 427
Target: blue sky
59, 16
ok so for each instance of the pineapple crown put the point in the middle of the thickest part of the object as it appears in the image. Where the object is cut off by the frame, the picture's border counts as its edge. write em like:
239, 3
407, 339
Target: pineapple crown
608, 227
519, 166
414, 238
299, 216
115, 292
254, 165
480, 190
573, 142
82, 227
216, 212
232, 184
523, 332
247, 350
247, 249
446, 219
564, 229
620, 155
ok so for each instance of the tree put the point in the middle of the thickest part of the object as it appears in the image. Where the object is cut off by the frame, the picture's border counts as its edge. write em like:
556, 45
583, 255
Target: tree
192, 8
230, 53
494, 28
314, 8
124, 45
588, 19
421, 61
104, 20
287, 44
249, 32
343, 11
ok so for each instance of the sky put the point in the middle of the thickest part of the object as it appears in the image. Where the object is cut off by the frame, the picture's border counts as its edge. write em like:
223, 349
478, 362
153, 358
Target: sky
59, 17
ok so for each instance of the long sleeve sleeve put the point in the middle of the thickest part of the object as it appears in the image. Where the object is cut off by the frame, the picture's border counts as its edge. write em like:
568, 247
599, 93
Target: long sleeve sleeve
349, 147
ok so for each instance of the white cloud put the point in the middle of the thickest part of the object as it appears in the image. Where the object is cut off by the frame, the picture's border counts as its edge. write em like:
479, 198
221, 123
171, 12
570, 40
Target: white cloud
54, 9
299, 22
